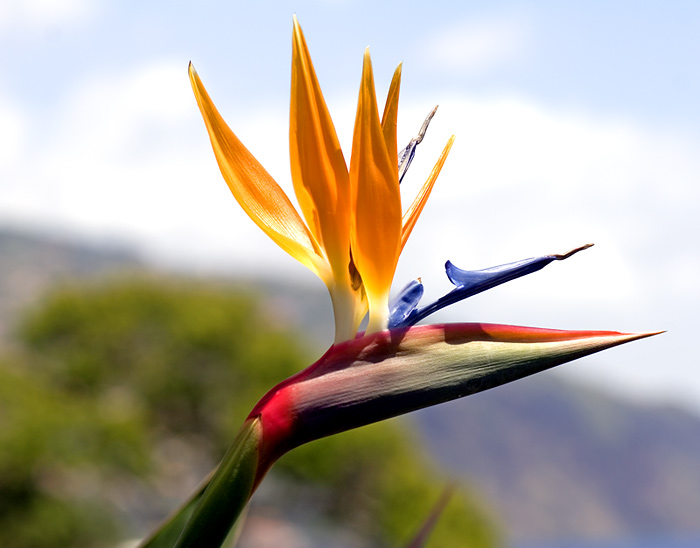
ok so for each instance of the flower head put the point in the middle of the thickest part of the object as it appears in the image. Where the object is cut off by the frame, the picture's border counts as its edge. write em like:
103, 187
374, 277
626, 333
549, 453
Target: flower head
350, 233
353, 229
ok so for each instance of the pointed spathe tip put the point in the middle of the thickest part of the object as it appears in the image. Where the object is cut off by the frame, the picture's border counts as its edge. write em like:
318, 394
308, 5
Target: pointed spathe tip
597, 341
642, 335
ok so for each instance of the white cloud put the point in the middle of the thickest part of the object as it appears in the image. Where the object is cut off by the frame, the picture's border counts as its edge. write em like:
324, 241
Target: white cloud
127, 156
12, 132
87, 155
22, 15
474, 46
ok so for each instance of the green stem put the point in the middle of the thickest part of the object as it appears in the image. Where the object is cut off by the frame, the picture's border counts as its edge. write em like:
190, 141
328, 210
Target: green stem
227, 494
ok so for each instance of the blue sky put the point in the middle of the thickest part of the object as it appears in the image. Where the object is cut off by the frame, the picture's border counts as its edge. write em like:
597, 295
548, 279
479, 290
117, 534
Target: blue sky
575, 122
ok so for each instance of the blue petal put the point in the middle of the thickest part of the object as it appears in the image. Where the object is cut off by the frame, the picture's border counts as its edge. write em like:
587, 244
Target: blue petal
471, 282
406, 157
407, 154
404, 304
476, 281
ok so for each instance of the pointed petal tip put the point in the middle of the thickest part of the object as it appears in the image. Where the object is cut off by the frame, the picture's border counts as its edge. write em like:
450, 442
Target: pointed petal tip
562, 256
193, 76
297, 34
426, 123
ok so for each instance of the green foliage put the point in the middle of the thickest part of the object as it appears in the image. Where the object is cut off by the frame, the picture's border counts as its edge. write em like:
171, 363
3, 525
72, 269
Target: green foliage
111, 374
52, 448
378, 479
195, 358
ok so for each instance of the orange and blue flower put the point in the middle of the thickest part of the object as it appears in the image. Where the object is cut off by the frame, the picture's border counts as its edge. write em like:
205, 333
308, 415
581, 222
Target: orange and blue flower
351, 229
351, 232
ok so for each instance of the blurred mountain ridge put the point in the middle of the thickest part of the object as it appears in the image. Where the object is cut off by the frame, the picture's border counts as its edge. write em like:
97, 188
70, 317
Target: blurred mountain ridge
32, 263
555, 459
560, 460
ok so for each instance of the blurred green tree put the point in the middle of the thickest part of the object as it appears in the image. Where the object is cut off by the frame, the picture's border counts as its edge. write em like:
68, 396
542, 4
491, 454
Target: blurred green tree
131, 389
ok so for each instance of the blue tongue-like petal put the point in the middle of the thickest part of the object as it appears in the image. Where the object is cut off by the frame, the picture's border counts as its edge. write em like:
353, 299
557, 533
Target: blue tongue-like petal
404, 304
471, 282
475, 281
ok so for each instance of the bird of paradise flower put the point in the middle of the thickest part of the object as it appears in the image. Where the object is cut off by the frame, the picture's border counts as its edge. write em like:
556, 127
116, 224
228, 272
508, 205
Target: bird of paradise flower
350, 233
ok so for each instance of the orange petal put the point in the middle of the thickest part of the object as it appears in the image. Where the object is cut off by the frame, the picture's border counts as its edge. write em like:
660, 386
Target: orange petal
390, 116
414, 211
375, 181
319, 172
255, 190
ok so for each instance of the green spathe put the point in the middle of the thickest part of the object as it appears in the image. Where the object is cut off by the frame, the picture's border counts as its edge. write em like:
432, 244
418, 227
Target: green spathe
206, 519
227, 494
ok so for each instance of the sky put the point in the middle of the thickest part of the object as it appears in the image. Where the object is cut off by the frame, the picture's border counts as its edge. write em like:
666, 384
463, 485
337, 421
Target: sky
574, 123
